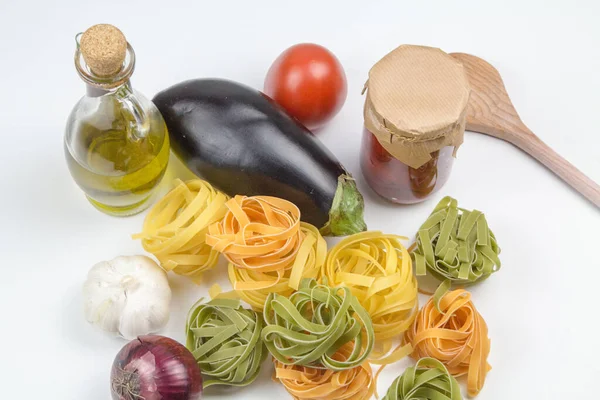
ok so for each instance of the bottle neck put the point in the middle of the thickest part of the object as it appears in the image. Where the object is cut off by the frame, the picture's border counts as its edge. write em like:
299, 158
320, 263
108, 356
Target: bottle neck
119, 86
92, 90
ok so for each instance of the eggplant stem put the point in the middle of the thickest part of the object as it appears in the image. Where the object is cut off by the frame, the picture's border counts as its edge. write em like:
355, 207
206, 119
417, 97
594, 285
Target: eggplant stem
347, 210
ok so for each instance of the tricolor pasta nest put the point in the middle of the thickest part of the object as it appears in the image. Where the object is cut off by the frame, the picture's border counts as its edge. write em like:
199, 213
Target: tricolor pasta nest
268, 248
225, 340
175, 228
456, 244
450, 329
378, 270
313, 323
308, 383
427, 380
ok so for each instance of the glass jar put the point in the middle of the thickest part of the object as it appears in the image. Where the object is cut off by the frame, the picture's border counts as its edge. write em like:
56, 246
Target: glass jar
398, 182
415, 116
116, 142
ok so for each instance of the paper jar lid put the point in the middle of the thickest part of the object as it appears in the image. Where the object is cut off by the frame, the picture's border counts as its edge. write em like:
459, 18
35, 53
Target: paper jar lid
416, 102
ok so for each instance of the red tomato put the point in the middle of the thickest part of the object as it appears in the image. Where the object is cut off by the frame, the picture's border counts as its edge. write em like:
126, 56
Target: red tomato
309, 82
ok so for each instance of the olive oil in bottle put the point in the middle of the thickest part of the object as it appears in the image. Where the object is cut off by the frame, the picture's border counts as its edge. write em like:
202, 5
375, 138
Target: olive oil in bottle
116, 141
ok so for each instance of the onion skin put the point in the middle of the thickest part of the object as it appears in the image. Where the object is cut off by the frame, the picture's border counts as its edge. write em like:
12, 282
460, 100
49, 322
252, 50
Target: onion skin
155, 368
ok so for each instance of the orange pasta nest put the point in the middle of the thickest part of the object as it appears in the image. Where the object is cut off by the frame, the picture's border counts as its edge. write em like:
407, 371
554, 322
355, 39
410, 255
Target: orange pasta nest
306, 383
175, 228
268, 248
378, 270
455, 334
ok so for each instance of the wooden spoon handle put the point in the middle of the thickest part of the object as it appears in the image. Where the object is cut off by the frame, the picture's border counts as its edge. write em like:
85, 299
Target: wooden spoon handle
491, 112
534, 146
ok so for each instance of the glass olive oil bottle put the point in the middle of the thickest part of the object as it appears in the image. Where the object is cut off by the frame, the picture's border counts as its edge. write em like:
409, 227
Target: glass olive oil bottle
116, 142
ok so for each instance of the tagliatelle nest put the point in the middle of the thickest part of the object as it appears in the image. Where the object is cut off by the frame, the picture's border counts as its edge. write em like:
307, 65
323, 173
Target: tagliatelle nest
254, 287
449, 329
377, 269
225, 340
306, 383
313, 323
427, 380
175, 228
456, 244
269, 250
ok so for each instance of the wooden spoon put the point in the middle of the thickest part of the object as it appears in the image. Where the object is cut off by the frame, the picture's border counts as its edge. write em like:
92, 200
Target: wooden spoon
491, 112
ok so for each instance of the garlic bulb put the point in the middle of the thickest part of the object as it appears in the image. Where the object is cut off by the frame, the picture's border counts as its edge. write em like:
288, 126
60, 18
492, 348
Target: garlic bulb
129, 295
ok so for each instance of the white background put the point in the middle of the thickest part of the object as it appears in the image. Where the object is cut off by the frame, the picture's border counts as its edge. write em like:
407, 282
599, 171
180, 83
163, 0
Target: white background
541, 308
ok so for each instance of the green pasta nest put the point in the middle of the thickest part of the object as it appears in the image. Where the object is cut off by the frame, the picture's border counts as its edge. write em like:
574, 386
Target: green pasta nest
225, 339
456, 244
313, 323
427, 380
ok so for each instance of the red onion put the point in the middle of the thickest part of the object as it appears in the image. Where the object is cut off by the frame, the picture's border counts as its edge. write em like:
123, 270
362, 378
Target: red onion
155, 368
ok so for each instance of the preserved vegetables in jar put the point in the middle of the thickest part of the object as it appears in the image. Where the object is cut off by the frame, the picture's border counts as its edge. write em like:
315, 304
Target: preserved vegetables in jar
415, 115
398, 182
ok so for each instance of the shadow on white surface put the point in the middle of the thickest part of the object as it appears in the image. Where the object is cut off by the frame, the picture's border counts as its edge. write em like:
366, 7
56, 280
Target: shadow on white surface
94, 387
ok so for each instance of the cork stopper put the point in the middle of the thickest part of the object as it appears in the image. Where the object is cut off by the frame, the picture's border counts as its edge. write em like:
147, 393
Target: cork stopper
103, 47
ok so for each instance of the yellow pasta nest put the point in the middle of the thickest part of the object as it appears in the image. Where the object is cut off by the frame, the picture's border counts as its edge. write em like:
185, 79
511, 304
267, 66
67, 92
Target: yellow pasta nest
307, 383
378, 270
455, 334
268, 248
175, 228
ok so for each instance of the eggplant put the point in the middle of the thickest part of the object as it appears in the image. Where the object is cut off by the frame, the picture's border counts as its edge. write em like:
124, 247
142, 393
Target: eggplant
240, 141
